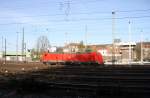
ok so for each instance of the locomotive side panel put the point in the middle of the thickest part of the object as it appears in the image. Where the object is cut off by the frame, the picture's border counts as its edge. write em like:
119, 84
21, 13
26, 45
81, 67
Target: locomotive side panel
72, 58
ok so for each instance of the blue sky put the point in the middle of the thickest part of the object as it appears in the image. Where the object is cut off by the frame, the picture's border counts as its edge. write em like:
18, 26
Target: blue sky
55, 18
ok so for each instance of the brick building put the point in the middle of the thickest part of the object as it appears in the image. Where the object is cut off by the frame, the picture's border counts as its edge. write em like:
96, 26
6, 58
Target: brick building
106, 51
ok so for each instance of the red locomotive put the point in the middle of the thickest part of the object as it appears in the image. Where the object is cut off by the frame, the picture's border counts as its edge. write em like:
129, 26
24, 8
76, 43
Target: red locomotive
72, 58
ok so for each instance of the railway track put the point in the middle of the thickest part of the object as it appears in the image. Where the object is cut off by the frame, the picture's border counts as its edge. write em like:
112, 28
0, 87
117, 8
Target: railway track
85, 81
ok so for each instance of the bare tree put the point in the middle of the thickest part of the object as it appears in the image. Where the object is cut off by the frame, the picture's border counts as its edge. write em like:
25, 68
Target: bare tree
81, 46
42, 44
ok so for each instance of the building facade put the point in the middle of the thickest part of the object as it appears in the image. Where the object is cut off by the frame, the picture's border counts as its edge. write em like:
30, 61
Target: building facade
13, 56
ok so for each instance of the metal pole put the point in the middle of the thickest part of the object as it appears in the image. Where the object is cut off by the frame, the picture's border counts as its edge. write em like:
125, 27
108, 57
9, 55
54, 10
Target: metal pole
67, 42
22, 43
17, 47
85, 37
2, 48
113, 37
141, 47
130, 43
25, 45
66, 38
5, 51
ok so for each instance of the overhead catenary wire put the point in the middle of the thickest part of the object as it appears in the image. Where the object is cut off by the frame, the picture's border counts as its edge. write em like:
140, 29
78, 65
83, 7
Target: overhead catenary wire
75, 20
60, 2
64, 14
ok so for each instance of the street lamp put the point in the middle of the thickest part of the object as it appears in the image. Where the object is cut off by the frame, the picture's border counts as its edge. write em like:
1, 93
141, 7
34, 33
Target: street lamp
113, 37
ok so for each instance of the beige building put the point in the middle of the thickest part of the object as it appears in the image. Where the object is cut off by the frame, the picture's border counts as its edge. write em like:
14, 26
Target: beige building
13, 56
74, 48
125, 48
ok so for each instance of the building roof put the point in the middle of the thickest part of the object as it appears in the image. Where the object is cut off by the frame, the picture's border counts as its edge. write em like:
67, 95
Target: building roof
126, 43
73, 44
103, 45
148, 43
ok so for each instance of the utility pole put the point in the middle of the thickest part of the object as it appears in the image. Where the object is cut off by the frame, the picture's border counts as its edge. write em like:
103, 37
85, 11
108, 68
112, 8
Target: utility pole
17, 47
85, 37
25, 47
5, 50
113, 37
2, 48
130, 55
68, 41
2, 44
66, 34
23, 44
141, 47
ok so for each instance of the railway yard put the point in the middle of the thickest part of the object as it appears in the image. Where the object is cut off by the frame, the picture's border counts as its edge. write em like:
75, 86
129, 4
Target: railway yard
35, 80
74, 49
